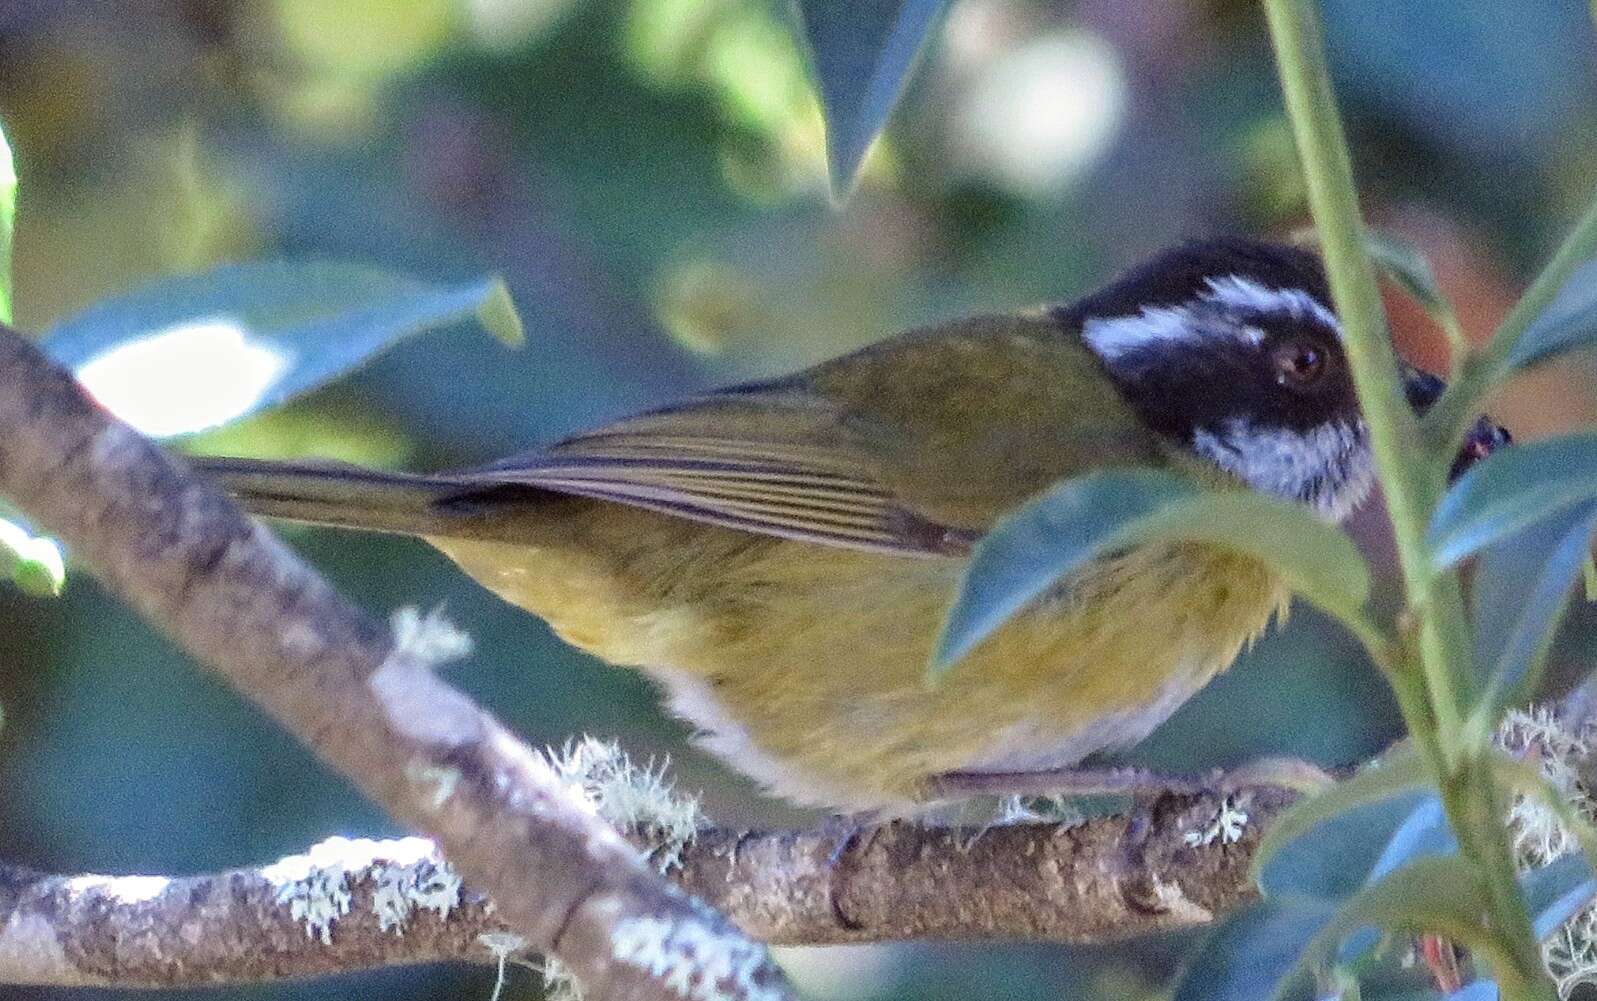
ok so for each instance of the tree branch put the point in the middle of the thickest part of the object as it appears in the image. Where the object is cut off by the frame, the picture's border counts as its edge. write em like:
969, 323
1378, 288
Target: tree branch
350, 905
1101, 880
242, 926
237, 599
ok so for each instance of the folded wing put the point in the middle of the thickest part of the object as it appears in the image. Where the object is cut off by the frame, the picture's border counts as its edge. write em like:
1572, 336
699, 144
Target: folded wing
776, 462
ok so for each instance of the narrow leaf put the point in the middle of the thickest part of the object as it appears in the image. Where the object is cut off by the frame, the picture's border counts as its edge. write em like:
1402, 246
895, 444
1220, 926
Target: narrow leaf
8, 221
1403, 263
1424, 833
1432, 893
1283, 941
496, 313
861, 55
1568, 323
194, 352
1401, 771
1510, 490
1334, 858
1252, 955
1521, 589
1082, 519
1557, 892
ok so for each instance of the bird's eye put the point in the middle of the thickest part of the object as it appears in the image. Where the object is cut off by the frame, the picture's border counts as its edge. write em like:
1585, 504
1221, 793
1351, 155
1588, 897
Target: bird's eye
1298, 362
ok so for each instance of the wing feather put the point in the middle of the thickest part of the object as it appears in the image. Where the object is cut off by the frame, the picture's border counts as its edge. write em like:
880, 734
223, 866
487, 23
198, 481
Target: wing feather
911, 446
784, 471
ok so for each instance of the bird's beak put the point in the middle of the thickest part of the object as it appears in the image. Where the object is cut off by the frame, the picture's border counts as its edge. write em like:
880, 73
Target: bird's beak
1484, 438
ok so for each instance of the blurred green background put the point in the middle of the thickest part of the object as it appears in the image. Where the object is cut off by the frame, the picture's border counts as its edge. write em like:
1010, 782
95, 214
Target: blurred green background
649, 177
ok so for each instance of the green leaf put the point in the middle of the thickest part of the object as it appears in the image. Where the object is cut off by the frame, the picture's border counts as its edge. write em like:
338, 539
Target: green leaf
1419, 883
1335, 858
1400, 771
1521, 589
1404, 264
1557, 892
33, 563
1510, 490
8, 221
861, 54
1080, 520
1568, 323
1425, 831
194, 352
1256, 956
1253, 954
1442, 894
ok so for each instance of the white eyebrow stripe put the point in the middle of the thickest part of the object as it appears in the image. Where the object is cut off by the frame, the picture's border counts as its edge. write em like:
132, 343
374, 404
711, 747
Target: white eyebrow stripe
1116, 336
1245, 293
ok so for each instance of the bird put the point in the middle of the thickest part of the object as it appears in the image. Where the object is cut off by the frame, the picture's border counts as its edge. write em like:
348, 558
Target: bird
778, 556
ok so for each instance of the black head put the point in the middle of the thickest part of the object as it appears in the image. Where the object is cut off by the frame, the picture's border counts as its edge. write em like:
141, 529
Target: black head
1230, 349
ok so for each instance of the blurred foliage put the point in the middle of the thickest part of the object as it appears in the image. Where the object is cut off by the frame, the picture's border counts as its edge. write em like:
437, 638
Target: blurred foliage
192, 353
650, 177
861, 56
8, 214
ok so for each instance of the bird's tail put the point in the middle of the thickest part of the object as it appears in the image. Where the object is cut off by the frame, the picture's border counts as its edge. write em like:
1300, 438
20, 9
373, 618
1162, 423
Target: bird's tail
344, 495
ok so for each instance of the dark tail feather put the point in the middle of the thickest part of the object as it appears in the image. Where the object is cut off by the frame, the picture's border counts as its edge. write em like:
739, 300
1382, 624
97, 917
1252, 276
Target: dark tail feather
348, 496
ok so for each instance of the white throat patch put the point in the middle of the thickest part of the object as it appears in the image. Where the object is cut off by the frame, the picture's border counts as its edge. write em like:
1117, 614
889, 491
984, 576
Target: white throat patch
1328, 468
1117, 336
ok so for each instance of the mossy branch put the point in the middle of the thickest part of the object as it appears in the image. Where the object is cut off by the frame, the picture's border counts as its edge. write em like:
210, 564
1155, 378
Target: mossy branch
362, 696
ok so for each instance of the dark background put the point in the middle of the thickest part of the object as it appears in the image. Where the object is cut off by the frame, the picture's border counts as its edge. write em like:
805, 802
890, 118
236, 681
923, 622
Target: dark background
649, 178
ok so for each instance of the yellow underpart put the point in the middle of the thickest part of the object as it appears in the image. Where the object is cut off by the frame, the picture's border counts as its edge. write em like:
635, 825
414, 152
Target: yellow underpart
820, 652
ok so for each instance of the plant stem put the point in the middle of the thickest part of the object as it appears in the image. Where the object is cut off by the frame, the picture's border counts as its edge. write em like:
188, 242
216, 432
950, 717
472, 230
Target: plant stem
1411, 488
1413, 481
1476, 813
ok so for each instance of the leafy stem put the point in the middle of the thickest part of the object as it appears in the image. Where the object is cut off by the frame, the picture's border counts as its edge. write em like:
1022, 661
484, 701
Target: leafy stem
1453, 413
1476, 814
1412, 487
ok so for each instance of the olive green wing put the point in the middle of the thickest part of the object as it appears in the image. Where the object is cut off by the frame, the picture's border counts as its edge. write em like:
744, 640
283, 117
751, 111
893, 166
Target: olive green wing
912, 446
778, 463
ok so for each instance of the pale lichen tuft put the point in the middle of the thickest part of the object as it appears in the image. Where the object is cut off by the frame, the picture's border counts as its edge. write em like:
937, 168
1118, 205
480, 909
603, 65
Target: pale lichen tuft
631, 797
1537, 736
1226, 826
503, 946
406, 874
695, 960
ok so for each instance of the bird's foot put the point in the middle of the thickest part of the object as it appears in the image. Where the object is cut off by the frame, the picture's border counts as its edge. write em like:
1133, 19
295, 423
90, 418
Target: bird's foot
1277, 772
846, 831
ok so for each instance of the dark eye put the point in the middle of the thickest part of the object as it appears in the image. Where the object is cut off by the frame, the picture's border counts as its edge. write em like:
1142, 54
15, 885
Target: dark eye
1298, 362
